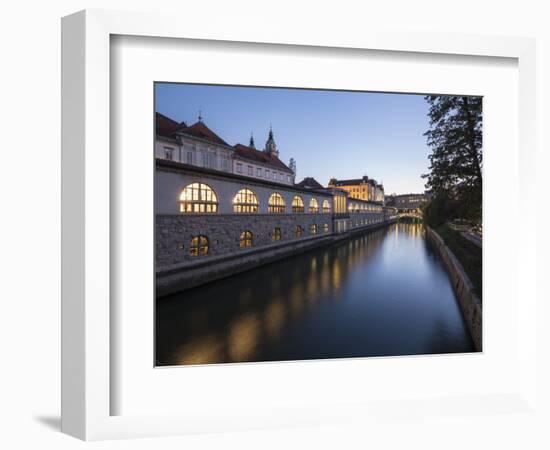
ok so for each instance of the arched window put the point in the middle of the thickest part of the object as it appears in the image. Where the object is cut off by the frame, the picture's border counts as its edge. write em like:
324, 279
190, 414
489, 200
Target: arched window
245, 202
297, 204
199, 246
313, 206
276, 235
326, 207
198, 198
299, 230
276, 203
325, 227
245, 239
313, 228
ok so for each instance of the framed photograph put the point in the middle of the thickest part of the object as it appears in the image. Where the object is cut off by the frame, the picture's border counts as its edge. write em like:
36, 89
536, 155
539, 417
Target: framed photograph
270, 230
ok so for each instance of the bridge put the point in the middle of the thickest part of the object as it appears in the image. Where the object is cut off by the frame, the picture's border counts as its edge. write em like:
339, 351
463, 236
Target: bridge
409, 213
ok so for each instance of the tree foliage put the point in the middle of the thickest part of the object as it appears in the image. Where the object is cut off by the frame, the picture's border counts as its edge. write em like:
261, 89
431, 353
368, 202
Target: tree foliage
456, 164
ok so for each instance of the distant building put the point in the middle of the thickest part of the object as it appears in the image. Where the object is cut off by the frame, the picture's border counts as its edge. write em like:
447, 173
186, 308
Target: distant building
198, 145
407, 202
364, 188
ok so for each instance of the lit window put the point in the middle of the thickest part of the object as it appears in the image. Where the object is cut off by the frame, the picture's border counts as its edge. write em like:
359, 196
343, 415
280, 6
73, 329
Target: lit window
276, 203
198, 198
245, 239
299, 230
326, 207
199, 246
297, 204
313, 206
313, 228
276, 235
325, 227
245, 202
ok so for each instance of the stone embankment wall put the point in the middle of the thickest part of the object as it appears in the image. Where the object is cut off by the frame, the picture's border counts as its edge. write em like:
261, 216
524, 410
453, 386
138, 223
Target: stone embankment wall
175, 271
469, 302
174, 233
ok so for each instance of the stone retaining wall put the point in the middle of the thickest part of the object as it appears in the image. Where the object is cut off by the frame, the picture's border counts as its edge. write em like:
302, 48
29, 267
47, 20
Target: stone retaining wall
174, 233
180, 277
187, 273
469, 302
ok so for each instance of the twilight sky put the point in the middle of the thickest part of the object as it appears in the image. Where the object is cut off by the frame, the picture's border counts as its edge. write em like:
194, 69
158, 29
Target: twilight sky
329, 133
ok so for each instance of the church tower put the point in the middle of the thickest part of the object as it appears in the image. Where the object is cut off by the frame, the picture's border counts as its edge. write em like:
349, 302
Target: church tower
270, 146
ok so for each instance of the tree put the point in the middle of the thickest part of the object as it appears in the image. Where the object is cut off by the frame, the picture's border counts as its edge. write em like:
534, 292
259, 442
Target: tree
456, 164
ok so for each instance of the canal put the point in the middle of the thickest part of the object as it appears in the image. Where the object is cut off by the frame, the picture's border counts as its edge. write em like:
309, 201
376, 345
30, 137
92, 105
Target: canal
383, 293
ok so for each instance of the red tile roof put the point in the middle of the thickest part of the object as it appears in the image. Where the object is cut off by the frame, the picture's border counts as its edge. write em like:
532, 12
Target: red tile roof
257, 155
165, 126
310, 183
200, 130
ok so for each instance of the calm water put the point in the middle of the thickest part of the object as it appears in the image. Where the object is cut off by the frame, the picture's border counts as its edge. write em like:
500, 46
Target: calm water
380, 294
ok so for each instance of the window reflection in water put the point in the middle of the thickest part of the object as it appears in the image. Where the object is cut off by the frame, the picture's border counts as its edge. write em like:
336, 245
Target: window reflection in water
230, 320
253, 316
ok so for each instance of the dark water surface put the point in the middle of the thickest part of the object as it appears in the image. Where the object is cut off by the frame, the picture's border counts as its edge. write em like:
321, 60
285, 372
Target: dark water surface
380, 294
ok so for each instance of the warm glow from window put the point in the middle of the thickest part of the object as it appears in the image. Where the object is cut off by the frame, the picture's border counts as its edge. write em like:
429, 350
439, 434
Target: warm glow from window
299, 230
245, 239
313, 228
276, 235
198, 198
313, 206
297, 204
326, 207
199, 246
245, 202
276, 203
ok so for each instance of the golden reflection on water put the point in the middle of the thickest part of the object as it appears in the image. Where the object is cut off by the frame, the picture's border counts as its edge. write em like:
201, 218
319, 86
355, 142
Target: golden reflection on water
274, 319
203, 350
243, 338
296, 300
336, 274
265, 311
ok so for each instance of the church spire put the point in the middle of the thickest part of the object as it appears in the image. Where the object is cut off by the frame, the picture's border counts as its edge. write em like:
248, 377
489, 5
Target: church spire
270, 146
251, 144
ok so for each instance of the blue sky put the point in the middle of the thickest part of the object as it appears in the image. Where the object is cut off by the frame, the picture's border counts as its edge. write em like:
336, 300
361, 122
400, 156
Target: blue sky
329, 133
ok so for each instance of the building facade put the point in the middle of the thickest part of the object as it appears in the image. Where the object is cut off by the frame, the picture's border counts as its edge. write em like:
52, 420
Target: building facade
219, 213
364, 188
198, 145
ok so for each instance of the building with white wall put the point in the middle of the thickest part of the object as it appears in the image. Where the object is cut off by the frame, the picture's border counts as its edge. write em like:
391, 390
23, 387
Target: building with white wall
198, 145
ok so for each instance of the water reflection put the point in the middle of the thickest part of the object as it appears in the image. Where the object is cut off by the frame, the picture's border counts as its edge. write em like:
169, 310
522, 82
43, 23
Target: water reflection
383, 293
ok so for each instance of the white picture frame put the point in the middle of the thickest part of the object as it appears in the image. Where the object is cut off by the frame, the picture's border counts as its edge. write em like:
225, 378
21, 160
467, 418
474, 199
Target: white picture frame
87, 386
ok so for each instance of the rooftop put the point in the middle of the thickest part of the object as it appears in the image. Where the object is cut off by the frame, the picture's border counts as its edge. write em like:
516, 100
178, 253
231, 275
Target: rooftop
200, 130
310, 183
246, 152
166, 126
